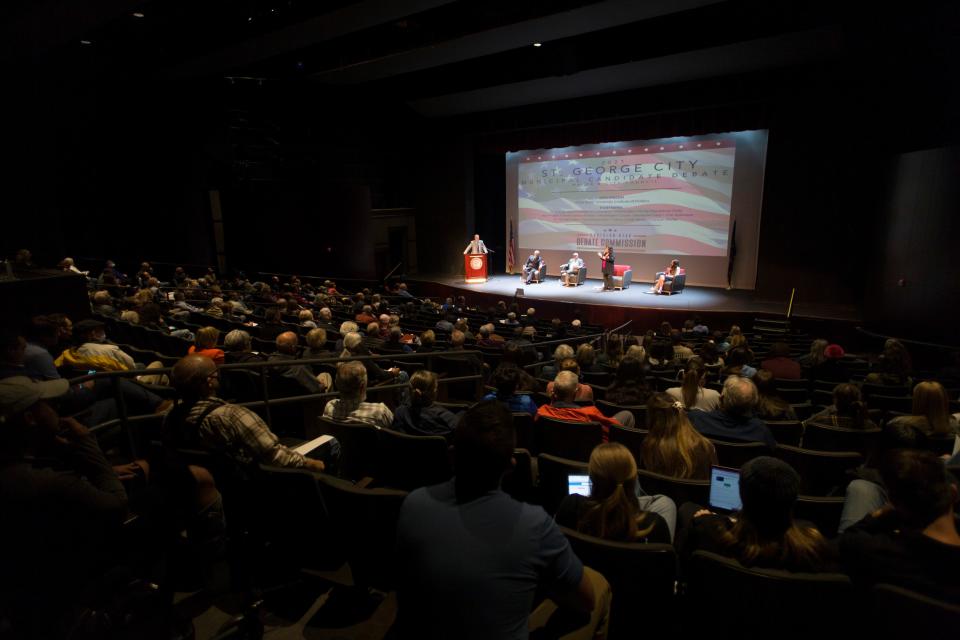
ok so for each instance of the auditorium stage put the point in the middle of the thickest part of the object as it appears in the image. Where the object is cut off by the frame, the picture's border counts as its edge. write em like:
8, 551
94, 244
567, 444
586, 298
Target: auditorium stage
604, 307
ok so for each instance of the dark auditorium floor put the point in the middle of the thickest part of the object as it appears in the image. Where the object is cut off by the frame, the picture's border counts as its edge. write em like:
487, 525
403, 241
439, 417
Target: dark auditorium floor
298, 612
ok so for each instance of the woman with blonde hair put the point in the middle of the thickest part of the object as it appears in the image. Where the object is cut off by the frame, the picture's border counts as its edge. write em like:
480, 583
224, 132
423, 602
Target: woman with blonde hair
612, 511
816, 355
673, 447
931, 410
306, 319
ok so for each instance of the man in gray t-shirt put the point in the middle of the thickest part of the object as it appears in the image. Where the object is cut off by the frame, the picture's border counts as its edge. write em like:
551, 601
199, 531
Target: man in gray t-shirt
472, 559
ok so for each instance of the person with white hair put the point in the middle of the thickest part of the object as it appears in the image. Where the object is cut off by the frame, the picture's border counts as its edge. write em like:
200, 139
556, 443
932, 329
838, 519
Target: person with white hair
353, 345
534, 267
734, 420
564, 407
569, 271
68, 265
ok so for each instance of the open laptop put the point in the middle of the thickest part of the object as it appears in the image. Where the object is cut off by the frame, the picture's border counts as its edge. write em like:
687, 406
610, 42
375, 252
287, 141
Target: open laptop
724, 489
579, 484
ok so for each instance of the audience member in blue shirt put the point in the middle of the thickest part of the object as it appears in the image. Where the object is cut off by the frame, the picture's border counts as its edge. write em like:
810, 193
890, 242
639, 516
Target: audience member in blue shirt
420, 416
734, 420
471, 559
506, 380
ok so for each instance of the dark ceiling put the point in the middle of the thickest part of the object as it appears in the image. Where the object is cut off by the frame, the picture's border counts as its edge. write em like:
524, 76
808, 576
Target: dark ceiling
445, 58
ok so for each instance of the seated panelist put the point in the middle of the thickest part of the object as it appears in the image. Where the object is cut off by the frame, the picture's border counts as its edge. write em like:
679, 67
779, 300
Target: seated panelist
665, 276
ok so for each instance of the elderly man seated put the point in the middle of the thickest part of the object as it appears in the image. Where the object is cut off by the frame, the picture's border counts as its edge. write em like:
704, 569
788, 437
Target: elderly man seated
352, 406
202, 419
564, 407
534, 267
734, 420
569, 270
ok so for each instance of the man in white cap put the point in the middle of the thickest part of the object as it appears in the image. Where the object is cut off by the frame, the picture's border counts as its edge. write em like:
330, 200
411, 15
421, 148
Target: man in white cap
61, 502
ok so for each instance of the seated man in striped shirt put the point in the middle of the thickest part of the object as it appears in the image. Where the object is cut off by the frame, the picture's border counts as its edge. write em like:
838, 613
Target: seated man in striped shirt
351, 406
202, 419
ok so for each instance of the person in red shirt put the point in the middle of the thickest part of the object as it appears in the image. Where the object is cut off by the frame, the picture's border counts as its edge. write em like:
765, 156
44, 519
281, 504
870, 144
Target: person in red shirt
563, 407
780, 364
206, 345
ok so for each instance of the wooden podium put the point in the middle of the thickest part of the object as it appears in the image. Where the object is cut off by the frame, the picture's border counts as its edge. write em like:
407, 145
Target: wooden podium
475, 268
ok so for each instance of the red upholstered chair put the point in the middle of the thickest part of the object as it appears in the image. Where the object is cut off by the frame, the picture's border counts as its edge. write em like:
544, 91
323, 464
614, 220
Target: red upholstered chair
622, 275
677, 284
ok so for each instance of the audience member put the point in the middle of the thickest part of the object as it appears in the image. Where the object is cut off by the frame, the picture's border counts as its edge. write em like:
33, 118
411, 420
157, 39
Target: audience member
421, 416
62, 507
831, 368
206, 345
93, 351
692, 393
352, 406
770, 406
779, 364
737, 361
201, 418
563, 407
303, 379
673, 447
507, 381
847, 411
353, 346
913, 542
612, 353
561, 353
472, 559
894, 366
763, 534
584, 391
238, 347
613, 511
866, 492
587, 359
734, 420
629, 387
931, 411
681, 352
815, 356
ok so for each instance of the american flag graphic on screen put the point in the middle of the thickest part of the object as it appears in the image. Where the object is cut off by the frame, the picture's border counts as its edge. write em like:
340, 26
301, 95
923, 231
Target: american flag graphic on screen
663, 199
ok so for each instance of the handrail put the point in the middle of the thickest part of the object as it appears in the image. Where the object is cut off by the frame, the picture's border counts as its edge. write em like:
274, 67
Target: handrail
616, 329
125, 419
921, 343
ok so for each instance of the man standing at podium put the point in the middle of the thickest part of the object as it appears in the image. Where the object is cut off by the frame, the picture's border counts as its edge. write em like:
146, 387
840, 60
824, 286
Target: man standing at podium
475, 246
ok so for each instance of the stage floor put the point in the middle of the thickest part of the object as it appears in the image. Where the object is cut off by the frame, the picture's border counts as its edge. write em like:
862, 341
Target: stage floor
691, 299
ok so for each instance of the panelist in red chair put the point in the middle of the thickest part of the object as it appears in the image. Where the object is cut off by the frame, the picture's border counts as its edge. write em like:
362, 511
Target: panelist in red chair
665, 276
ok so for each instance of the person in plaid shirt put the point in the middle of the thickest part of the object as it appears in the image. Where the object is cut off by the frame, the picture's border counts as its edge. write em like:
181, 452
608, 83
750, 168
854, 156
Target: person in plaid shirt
351, 405
202, 418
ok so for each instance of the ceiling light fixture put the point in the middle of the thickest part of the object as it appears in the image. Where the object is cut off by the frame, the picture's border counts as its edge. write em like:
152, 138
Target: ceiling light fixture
137, 14
538, 44
85, 42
